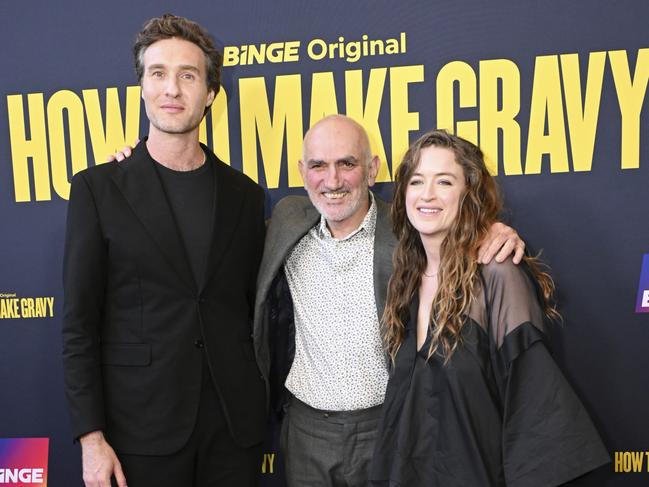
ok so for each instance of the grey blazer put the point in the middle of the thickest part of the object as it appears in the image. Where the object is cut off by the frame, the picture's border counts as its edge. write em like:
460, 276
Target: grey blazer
292, 218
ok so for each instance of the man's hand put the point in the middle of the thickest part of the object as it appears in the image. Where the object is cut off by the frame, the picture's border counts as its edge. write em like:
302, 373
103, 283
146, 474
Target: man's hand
501, 242
119, 156
99, 461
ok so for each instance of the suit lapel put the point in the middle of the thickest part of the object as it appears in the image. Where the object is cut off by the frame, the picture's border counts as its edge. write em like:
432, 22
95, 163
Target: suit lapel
140, 184
296, 229
384, 244
228, 202
282, 237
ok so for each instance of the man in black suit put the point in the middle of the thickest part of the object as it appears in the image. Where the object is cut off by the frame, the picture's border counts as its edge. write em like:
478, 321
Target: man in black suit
161, 257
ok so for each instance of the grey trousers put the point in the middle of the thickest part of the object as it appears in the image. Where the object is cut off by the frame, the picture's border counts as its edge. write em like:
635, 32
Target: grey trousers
328, 448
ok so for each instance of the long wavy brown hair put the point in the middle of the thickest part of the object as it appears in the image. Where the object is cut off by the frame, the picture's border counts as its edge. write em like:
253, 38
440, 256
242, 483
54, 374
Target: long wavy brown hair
458, 269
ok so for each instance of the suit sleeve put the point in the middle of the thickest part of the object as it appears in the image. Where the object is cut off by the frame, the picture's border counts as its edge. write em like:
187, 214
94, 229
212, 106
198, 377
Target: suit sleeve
84, 280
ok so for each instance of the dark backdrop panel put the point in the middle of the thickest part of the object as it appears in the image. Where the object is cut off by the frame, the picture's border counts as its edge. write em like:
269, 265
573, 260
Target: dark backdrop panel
591, 224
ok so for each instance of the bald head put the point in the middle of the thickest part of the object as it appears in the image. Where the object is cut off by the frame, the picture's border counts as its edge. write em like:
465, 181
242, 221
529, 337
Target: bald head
338, 126
338, 168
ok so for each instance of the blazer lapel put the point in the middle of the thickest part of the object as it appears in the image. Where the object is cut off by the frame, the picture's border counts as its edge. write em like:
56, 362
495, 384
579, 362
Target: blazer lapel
140, 184
294, 230
282, 236
228, 201
384, 244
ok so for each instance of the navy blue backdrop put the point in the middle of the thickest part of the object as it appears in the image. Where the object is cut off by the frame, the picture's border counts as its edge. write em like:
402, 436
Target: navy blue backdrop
553, 91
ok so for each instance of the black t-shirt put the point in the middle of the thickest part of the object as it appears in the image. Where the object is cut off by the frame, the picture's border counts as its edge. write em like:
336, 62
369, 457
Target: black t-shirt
191, 197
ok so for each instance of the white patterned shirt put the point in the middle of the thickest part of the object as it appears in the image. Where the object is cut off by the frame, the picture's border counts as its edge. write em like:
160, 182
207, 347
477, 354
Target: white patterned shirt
339, 360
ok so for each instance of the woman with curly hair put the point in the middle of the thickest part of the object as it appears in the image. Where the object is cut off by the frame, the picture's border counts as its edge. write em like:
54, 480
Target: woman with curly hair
474, 397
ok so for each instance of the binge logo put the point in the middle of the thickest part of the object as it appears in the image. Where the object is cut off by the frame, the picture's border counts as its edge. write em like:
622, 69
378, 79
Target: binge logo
23, 461
642, 304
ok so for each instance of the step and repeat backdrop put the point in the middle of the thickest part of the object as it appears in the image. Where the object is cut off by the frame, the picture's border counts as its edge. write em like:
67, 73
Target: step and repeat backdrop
553, 91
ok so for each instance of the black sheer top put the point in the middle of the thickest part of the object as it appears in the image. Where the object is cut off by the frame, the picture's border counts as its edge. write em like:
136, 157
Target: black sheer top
499, 413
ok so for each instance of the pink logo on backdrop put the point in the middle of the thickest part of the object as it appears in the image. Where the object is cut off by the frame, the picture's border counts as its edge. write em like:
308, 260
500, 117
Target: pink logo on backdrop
642, 302
23, 461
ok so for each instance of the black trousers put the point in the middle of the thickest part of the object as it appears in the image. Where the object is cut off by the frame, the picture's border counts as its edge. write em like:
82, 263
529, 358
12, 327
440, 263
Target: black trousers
328, 448
211, 458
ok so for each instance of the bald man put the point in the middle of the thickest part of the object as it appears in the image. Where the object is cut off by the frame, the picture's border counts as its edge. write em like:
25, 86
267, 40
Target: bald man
320, 295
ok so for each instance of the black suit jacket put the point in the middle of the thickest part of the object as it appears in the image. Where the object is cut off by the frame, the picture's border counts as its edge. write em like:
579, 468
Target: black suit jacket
136, 325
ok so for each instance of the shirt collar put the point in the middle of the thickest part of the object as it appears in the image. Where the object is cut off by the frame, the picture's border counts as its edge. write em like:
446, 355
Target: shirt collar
368, 224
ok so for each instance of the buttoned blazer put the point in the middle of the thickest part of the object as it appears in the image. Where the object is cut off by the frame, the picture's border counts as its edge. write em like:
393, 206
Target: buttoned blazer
292, 218
136, 324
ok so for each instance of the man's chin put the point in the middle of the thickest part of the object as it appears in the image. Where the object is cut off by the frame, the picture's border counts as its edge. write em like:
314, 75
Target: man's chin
334, 216
175, 129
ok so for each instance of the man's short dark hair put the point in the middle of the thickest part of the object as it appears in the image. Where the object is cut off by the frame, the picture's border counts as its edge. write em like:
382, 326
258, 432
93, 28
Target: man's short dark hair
169, 26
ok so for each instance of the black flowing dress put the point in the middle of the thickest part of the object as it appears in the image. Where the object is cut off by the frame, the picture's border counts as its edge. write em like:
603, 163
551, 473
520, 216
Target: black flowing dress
499, 413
